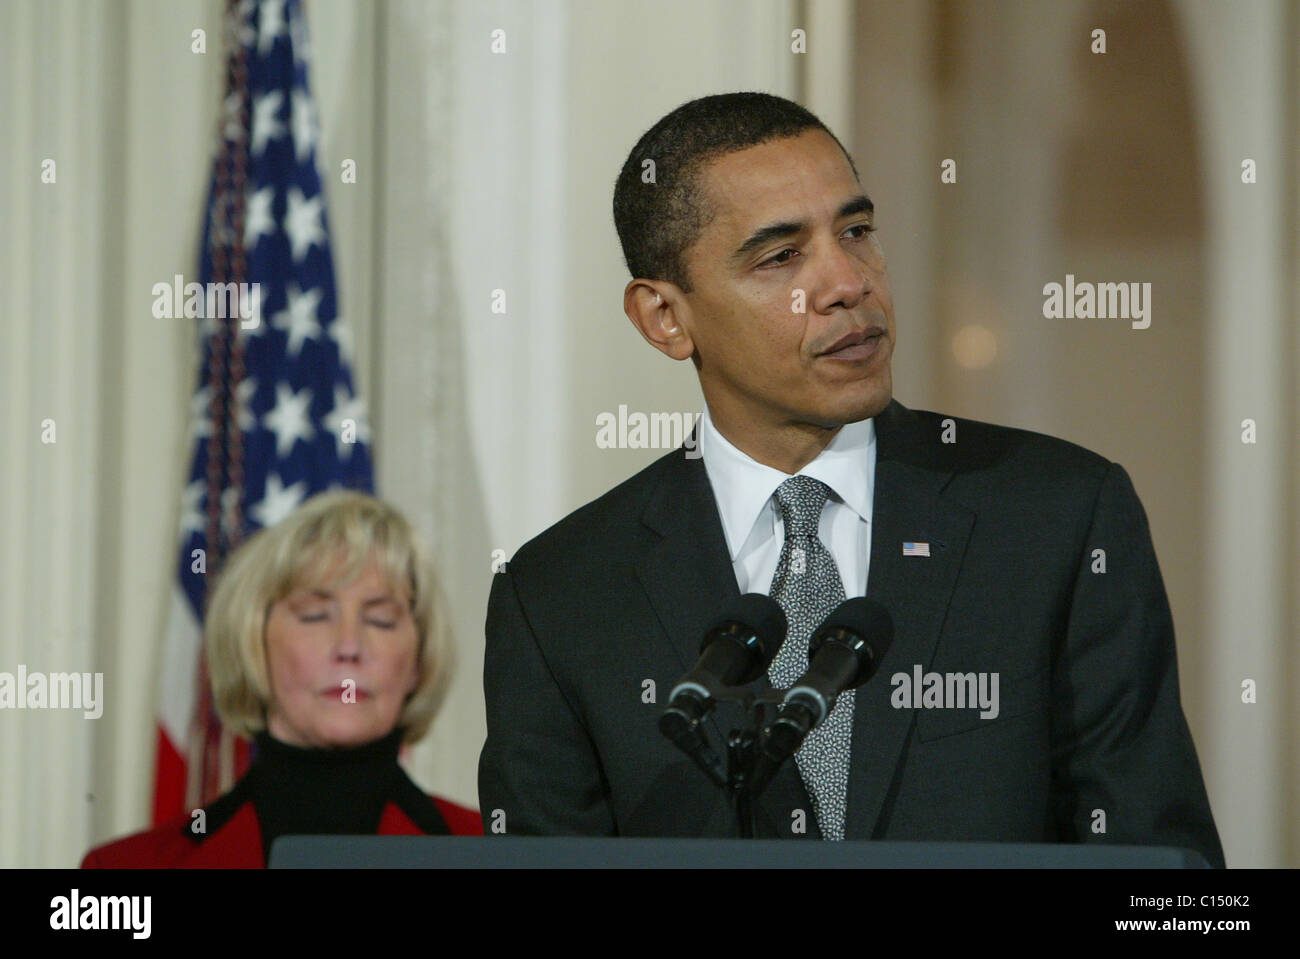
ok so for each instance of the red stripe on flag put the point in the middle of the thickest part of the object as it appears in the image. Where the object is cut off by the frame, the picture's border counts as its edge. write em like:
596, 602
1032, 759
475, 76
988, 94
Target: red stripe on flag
169, 781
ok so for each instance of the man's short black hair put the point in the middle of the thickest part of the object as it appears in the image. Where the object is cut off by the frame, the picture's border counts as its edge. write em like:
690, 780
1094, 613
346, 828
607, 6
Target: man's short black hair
658, 222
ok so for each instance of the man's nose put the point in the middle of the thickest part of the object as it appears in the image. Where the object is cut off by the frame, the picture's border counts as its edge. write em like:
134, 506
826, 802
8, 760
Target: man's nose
845, 279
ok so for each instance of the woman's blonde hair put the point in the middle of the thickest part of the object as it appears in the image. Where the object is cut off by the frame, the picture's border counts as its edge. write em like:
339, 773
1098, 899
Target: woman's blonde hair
328, 541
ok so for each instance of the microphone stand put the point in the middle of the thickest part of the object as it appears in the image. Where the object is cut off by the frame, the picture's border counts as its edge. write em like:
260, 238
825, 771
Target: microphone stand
740, 763
742, 750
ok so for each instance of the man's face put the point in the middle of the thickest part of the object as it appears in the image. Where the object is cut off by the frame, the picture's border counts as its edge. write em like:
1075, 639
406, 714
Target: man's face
789, 216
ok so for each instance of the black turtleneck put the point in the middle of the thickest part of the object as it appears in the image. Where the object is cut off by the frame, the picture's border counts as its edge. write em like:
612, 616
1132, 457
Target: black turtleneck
298, 791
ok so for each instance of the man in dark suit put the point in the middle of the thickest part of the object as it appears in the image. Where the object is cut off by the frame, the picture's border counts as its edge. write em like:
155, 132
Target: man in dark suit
999, 553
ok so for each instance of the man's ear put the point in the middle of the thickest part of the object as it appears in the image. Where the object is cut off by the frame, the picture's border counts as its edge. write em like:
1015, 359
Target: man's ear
657, 309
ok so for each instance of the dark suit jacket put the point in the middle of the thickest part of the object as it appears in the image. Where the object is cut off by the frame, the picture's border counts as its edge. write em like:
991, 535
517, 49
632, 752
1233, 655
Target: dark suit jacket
1090, 721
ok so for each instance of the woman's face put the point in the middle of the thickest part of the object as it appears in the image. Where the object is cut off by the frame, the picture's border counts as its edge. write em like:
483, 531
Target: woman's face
342, 661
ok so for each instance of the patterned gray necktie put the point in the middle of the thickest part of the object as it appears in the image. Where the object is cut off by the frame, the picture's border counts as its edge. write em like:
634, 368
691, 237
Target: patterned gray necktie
808, 587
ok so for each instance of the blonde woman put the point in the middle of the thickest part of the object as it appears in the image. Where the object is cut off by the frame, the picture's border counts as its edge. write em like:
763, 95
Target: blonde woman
327, 645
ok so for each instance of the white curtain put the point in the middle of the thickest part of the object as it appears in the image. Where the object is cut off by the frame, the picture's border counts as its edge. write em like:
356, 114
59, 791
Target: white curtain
90, 519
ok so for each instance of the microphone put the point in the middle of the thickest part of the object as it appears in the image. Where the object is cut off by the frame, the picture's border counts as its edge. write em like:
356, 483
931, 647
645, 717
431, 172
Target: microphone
843, 653
735, 651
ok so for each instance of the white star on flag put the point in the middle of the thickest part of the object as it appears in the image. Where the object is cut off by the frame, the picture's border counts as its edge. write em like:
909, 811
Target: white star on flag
303, 117
301, 42
244, 394
277, 502
266, 122
302, 221
258, 221
299, 320
270, 25
200, 424
341, 334
347, 408
291, 419
193, 519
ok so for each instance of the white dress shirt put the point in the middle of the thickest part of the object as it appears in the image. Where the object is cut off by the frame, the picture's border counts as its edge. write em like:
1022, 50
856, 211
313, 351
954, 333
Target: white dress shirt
752, 521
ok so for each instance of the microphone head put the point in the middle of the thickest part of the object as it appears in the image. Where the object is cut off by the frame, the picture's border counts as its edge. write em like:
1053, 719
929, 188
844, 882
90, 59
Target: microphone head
864, 618
758, 622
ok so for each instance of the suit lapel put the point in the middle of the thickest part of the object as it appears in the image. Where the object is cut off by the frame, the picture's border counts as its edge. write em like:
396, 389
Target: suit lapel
687, 574
688, 577
911, 470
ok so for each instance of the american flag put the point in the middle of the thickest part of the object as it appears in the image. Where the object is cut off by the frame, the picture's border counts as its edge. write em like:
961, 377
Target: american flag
275, 417
916, 549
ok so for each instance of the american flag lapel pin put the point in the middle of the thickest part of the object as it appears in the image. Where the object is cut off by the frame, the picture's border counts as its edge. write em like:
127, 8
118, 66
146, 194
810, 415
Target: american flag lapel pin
916, 549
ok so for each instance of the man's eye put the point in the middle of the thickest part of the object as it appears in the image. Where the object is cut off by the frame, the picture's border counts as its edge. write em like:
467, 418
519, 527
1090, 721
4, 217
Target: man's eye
777, 259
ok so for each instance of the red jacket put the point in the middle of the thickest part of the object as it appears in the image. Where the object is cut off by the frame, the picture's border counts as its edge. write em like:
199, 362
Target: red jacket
238, 843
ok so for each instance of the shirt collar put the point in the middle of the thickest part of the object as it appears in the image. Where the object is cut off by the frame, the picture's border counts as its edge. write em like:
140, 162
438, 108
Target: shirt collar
742, 486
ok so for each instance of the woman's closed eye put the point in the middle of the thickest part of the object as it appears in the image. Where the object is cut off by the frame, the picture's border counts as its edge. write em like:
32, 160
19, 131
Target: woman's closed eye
321, 616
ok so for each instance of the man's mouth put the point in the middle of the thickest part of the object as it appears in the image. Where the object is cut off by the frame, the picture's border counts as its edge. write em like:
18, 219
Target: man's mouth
858, 345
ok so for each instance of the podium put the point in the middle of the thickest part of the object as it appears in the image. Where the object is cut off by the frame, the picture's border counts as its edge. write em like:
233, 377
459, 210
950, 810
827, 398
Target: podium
553, 852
